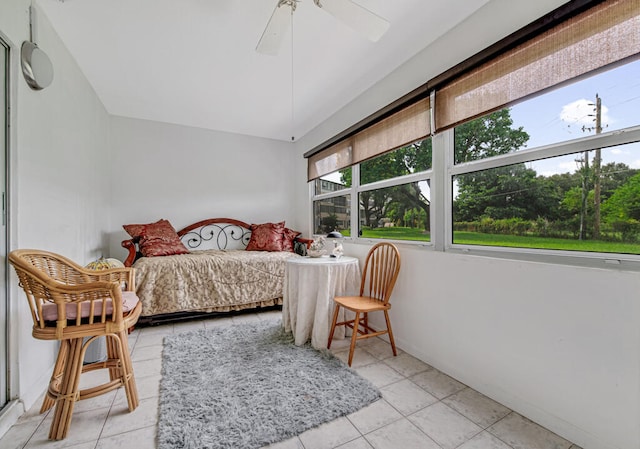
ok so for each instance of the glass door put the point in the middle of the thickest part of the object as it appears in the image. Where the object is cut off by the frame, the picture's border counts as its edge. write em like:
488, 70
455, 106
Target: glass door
4, 149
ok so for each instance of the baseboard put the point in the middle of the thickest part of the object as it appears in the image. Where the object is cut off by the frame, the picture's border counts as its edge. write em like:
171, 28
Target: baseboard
9, 415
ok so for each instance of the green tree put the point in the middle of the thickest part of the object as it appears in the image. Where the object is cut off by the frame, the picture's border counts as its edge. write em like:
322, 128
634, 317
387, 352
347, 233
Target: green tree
384, 203
417, 157
624, 203
614, 175
330, 223
504, 192
563, 182
568, 185
513, 191
488, 136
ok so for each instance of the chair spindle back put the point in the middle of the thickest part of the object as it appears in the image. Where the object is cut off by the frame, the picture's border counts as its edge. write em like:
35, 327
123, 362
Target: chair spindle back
380, 272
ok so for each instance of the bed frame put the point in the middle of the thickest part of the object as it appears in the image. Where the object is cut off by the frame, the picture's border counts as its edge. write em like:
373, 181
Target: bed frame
213, 233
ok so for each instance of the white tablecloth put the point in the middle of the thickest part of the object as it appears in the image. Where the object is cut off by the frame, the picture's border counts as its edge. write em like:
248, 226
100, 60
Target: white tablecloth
309, 287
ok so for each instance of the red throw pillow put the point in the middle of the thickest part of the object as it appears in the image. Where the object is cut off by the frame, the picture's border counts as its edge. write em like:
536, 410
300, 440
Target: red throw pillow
289, 236
266, 237
135, 230
156, 239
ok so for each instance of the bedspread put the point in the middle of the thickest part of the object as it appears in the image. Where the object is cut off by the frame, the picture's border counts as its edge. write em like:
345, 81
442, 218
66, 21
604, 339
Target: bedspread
210, 280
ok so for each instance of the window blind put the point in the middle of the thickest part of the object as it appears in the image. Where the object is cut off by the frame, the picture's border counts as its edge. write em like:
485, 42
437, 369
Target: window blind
408, 125
337, 156
580, 37
600, 36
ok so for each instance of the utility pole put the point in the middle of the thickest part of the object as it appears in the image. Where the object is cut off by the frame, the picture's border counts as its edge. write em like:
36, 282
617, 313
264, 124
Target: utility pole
585, 195
597, 162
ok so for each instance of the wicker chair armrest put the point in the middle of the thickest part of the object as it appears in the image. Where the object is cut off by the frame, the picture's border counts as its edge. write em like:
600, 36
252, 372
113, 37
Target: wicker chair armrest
120, 275
100, 288
64, 295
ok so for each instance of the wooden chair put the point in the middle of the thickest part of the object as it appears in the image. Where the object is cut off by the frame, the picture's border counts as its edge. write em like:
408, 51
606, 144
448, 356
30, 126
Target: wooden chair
72, 304
379, 276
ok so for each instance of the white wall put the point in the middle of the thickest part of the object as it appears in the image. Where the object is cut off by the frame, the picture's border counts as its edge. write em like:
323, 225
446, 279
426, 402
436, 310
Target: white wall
559, 344
59, 191
189, 174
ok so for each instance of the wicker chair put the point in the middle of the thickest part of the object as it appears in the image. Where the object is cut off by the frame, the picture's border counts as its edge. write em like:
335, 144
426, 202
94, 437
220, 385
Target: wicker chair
379, 276
76, 306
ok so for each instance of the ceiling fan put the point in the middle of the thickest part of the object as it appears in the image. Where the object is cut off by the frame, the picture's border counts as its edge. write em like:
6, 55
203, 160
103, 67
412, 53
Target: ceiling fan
351, 14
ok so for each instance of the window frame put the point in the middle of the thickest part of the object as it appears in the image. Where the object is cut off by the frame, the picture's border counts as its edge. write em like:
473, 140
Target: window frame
577, 258
357, 188
440, 177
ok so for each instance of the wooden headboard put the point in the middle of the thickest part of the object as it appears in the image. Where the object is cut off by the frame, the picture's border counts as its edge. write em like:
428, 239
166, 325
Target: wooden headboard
213, 233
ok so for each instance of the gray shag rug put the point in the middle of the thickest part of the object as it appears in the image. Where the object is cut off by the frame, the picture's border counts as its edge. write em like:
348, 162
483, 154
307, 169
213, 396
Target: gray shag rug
248, 385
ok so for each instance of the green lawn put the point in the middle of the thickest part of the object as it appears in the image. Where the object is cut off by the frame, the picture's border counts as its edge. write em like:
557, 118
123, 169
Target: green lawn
477, 238
397, 233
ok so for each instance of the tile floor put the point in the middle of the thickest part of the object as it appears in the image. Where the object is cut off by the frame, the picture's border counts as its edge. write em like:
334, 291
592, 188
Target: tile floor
421, 407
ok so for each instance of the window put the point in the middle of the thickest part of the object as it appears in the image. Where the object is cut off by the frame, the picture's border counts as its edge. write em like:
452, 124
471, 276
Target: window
401, 212
392, 191
332, 208
397, 206
529, 148
333, 182
569, 192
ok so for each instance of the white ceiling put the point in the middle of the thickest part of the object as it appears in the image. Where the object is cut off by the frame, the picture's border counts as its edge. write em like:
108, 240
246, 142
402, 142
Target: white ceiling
193, 62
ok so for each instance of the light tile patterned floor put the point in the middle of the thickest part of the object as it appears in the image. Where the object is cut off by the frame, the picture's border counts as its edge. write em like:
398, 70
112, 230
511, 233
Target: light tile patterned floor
421, 407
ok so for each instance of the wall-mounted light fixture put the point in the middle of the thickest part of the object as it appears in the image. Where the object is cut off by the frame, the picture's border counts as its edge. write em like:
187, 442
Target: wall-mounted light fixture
36, 65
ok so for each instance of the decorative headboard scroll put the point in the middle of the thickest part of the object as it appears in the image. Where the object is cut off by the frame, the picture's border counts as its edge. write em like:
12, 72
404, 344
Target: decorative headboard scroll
217, 233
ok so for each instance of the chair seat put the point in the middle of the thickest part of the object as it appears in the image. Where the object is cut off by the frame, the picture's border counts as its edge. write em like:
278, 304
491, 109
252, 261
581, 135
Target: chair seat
361, 303
50, 310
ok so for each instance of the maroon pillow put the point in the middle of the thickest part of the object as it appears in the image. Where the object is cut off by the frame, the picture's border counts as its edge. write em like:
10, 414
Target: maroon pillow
266, 237
289, 236
135, 230
156, 239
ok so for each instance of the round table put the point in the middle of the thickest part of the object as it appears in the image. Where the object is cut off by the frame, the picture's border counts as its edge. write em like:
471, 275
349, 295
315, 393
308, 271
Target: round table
309, 287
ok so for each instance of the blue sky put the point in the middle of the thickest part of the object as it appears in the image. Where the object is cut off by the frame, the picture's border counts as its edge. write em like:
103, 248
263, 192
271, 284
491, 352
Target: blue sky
560, 115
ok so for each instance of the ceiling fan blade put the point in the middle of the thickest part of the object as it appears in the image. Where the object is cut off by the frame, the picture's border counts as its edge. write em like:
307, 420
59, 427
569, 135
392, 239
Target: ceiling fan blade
276, 28
356, 17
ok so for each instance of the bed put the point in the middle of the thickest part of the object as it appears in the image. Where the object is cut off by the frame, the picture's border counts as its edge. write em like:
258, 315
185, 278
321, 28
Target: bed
220, 265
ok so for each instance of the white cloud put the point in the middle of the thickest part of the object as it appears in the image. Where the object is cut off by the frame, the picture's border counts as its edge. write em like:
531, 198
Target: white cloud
556, 169
564, 167
635, 164
582, 112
